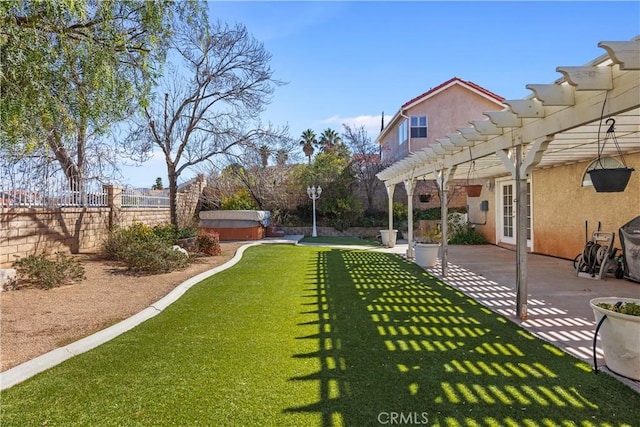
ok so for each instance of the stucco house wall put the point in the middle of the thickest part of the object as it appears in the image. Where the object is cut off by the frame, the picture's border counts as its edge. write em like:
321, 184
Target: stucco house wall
562, 206
448, 106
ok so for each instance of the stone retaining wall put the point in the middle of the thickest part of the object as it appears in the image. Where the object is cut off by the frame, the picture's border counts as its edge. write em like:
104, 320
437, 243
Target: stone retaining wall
27, 231
363, 232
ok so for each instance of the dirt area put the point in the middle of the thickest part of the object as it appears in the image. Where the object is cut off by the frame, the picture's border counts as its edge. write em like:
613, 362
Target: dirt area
35, 321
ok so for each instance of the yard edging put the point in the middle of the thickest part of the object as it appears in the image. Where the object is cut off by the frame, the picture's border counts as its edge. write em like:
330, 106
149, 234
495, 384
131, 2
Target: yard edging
28, 369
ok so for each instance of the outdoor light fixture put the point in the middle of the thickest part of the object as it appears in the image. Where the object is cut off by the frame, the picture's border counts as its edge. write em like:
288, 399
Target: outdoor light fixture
314, 194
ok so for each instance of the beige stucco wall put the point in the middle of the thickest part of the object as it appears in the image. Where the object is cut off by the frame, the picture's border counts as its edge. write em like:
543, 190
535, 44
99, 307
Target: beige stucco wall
484, 221
446, 111
561, 206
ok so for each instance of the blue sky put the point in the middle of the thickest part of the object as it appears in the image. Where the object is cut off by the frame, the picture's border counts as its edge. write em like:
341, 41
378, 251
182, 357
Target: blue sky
346, 62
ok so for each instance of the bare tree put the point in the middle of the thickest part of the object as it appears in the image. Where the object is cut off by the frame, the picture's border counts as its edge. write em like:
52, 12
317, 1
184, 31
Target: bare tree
211, 102
366, 160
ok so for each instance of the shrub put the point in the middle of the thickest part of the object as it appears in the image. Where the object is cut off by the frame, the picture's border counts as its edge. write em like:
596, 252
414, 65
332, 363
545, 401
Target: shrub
143, 249
399, 212
50, 273
152, 257
187, 232
241, 200
630, 308
120, 238
166, 232
209, 243
462, 233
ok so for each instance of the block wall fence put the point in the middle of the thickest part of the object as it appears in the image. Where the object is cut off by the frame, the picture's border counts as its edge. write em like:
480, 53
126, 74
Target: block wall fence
27, 231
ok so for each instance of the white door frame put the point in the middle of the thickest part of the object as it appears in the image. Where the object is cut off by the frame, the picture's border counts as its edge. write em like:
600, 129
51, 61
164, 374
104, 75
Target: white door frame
500, 223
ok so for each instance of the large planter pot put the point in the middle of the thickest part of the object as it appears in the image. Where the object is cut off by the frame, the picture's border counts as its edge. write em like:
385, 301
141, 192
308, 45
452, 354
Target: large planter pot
610, 180
426, 254
473, 190
388, 239
620, 337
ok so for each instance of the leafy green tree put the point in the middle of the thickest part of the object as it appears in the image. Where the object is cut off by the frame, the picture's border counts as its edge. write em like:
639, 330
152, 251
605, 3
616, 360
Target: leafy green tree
71, 68
158, 184
337, 205
307, 141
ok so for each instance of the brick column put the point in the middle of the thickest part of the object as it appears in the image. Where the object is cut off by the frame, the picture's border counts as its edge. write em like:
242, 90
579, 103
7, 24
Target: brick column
114, 202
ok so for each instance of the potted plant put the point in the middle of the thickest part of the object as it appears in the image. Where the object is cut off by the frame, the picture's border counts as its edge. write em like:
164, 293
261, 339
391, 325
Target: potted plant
427, 246
618, 321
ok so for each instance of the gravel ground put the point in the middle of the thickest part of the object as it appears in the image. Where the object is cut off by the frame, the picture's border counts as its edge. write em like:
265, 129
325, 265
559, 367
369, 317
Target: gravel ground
35, 321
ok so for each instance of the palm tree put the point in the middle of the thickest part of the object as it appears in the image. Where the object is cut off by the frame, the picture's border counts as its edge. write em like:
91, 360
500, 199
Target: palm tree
329, 139
282, 157
264, 155
308, 140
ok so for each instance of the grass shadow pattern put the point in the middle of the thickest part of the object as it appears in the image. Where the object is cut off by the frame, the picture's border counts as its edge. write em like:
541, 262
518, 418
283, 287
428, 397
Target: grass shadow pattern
397, 346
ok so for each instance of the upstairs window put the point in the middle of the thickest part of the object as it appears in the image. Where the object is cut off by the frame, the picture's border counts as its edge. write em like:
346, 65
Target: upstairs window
402, 132
419, 127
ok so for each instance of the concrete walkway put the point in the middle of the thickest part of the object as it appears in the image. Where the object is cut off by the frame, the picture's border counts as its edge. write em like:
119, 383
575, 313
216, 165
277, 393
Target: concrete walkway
559, 310
558, 300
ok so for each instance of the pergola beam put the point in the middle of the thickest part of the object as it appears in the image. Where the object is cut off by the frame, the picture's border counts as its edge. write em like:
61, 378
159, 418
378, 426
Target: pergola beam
589, 77
626, 54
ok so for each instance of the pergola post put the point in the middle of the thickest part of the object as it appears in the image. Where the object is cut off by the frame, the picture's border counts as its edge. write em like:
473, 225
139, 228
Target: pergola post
520, 168
442, 179
521, 237
410, 186
390, 190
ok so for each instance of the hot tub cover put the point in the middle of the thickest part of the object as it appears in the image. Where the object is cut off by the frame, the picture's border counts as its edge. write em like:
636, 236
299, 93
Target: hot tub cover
241, 216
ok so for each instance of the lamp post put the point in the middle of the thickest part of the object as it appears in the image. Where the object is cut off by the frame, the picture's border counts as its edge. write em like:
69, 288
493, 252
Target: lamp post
314, 194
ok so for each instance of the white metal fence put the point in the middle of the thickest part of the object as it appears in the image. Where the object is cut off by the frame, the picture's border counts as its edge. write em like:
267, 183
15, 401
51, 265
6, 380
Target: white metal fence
50, 192
144, 198
20, 186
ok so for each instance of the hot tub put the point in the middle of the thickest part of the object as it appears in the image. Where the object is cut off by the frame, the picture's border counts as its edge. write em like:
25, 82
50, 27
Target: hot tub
236, 225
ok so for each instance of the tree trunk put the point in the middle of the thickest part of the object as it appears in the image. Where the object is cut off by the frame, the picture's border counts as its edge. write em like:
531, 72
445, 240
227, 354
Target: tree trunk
173, 194
69, 167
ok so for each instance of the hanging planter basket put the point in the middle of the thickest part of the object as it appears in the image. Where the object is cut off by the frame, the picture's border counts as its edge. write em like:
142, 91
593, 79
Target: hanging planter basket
473, 190
610, 180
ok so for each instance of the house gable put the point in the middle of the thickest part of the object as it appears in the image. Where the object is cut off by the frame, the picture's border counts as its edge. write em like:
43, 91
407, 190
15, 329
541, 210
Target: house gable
444, 108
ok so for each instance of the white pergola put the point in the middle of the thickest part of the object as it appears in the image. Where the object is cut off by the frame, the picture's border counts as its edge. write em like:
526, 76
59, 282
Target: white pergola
558, 124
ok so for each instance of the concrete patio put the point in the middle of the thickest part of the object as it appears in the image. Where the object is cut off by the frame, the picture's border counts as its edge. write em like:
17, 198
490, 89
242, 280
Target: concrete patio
558, 302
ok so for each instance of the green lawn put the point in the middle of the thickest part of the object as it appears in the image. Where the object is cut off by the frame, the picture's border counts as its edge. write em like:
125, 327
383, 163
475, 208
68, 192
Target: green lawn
313, 336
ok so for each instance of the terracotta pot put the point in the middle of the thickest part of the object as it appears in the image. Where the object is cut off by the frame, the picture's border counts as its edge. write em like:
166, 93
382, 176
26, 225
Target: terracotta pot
473, 190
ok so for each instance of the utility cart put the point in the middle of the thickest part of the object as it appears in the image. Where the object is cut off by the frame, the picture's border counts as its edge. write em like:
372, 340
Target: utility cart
597, 257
